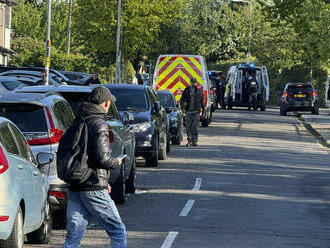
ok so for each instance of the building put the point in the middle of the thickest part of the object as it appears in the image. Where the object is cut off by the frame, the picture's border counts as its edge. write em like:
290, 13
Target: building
5, 30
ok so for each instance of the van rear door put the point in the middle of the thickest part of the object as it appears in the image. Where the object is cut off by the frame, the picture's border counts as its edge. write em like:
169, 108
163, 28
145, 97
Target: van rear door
265, 81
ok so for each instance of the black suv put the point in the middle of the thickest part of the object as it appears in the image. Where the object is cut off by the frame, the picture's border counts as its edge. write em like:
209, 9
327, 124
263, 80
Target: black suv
299, 97
150, 119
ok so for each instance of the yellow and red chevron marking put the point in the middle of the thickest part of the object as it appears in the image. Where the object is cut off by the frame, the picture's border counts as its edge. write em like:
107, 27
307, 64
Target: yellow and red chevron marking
174, 73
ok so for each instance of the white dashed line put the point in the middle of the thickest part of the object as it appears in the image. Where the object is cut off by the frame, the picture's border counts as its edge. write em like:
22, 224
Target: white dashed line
198, 184
185, 211
169, 240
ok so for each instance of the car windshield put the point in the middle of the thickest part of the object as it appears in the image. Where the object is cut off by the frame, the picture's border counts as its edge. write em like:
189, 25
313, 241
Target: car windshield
28, 117
130, 99
166, 100
75, 98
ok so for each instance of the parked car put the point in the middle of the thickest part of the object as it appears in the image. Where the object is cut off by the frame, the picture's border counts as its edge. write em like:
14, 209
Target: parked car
24, 200
149, 123
123, 179
299, 97
78, 77
36, 75
42, 118
175, 115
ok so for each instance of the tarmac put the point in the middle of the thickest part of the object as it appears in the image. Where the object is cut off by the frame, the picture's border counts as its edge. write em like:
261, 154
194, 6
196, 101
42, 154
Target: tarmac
318, 125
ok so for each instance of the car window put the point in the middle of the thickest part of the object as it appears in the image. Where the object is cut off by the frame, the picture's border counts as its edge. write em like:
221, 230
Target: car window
302, 88
7, 139
130, 99
28, 117
113, 112
10, 85
75, 98
23, 146
166, 100
63, 114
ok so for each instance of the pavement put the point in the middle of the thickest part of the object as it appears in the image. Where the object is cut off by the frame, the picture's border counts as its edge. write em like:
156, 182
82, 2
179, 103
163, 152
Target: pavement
318, 125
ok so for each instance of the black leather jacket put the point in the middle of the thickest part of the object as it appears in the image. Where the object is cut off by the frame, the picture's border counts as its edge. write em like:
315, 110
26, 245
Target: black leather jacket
98, 148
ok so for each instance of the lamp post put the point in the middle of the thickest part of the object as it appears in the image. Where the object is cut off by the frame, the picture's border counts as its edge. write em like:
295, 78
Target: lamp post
118, 47
250, 21
48, 43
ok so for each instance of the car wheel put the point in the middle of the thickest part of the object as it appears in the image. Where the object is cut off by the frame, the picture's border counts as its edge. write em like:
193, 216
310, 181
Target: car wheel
16, 238
262, 108
118, 189
43, 234
59, 219
162, 152
152, 159
131, 181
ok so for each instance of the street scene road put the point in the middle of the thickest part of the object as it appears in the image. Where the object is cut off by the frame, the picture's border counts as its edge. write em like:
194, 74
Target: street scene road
256, 179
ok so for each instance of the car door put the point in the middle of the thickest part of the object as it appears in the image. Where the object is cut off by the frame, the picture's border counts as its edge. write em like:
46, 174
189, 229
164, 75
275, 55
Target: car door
38, 183
125, 136
160, 117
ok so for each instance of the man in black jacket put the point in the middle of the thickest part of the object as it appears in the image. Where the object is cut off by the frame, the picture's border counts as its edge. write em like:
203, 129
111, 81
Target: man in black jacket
91, 198
192, 102
94, 79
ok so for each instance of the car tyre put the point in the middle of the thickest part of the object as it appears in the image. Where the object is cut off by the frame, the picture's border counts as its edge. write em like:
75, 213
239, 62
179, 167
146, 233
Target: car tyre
162, 152
168, 144
16, 238
282, 112
262, 108
118, 190
205, 122
131, 181
152, 159
43, 234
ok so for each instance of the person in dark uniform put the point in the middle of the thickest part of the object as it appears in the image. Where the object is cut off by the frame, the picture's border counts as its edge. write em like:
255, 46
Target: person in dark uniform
94, 79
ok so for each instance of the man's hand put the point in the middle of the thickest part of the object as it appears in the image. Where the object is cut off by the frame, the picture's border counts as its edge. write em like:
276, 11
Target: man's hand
120, 160
109, 189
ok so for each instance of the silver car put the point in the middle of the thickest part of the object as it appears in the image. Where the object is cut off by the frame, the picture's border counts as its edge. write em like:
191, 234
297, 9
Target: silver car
24, 201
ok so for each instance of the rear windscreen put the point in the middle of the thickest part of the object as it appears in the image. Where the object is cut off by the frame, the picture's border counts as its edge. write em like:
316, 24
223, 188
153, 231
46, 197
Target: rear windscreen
28, 118
302, 88
166, 100
75, 98
130, 99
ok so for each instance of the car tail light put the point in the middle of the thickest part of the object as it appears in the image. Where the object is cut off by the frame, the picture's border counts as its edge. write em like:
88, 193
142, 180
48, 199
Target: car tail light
4, 218
3, 162
299, 85
57, 194
205, 97
313, 93
52, 137
211, 92
111, 136
286, 94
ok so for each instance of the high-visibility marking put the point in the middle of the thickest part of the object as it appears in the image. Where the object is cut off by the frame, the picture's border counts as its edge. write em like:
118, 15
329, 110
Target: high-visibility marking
186, 209
169, 240
198, 183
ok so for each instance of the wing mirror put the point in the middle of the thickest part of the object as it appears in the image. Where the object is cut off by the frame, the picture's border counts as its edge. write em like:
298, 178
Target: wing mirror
44, 158
127, 118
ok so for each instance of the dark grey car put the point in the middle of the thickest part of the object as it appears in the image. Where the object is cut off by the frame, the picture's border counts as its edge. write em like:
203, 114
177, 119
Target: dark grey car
123, 179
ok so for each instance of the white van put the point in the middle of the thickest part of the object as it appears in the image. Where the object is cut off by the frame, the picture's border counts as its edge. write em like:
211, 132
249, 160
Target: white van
237, 95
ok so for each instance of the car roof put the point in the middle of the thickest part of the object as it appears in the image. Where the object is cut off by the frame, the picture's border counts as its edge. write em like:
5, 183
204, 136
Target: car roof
164, 92
57, 88
28, 98
126, 86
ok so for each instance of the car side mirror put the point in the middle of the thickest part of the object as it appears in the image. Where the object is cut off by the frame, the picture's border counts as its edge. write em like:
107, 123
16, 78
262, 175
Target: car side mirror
44, 158
157, 107
127, 118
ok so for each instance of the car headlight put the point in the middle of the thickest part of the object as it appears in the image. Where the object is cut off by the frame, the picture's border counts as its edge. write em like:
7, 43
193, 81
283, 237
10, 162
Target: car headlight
141, 127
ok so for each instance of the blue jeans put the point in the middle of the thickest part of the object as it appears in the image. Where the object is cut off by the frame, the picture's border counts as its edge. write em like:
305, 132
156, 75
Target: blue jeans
85, 204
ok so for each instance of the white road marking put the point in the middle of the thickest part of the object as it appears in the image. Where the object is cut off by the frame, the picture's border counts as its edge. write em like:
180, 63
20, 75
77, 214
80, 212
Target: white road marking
185, 211
169, 240
198, 184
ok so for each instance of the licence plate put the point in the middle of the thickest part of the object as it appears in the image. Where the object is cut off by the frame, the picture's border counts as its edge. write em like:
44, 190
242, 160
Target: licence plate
299, 95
